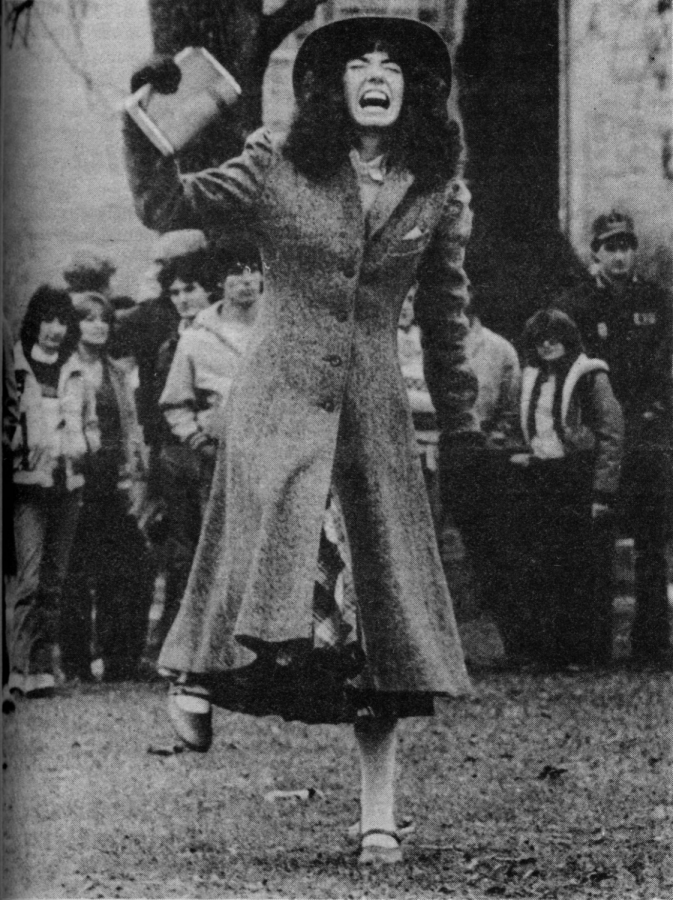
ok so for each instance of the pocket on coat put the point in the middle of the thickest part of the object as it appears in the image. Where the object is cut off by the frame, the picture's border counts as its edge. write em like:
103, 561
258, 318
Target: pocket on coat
410, 246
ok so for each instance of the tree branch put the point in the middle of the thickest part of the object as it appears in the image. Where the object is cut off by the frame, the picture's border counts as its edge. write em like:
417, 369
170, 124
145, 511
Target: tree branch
277, 25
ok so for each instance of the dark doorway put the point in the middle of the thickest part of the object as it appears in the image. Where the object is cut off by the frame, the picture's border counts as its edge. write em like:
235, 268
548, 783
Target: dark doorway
508, 66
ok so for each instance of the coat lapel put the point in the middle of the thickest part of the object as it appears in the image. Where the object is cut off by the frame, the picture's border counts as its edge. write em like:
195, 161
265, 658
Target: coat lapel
388, 198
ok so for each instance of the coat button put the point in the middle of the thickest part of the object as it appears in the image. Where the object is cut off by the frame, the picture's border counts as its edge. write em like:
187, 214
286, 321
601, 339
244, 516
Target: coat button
334, 360
328, 405
349, 269
341, 315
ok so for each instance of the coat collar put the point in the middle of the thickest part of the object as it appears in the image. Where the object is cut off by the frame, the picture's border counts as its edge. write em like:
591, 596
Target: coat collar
388, 198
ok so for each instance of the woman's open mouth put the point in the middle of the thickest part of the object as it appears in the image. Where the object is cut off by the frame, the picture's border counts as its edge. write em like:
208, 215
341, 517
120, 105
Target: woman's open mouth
375, 98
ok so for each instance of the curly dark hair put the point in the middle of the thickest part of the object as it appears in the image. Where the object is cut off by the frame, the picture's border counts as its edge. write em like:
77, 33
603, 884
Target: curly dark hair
45, 305
424, 139
551, 323
199, 267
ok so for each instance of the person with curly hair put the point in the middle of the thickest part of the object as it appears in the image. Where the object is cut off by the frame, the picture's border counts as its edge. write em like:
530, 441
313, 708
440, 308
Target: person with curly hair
317, 591
189, 281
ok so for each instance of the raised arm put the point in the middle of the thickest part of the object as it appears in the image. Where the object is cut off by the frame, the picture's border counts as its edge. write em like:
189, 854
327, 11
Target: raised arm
165, 199
440, 305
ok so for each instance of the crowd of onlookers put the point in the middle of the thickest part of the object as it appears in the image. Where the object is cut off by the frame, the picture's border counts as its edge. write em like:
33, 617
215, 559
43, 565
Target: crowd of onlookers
111, 423
574, 448
110, 439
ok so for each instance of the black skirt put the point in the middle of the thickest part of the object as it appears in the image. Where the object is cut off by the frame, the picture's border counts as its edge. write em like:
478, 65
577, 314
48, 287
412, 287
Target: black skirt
323, 680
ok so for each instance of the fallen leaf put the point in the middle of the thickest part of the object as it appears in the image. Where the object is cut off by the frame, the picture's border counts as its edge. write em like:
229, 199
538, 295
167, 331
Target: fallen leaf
171, 750
551, 772
301, 794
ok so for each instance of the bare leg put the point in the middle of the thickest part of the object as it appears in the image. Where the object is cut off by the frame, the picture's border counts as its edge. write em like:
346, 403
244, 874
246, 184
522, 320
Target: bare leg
377, 741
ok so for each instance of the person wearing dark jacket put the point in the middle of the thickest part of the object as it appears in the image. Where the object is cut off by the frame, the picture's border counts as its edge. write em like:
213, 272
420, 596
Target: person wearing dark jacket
626, 321
149, 334
109, 568
573, 431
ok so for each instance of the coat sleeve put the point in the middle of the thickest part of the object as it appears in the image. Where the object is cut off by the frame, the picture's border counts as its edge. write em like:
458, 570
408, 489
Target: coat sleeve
439, 306
166, 200
608, 426
510, 391
658, 398
178, 400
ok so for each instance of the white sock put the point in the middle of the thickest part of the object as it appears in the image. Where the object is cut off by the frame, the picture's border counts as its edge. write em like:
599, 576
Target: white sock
377, 741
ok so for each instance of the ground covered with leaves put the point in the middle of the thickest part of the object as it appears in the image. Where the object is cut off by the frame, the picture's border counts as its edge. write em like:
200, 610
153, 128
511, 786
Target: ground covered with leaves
553, 786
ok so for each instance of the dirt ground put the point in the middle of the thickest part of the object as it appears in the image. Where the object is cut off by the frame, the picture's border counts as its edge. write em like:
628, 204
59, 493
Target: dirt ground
555, 786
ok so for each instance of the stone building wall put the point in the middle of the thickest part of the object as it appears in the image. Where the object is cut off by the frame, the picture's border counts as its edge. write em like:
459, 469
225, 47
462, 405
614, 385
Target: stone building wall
616, 121
617, 134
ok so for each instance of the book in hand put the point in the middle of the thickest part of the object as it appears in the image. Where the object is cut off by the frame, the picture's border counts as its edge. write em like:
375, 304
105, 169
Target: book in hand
172, 121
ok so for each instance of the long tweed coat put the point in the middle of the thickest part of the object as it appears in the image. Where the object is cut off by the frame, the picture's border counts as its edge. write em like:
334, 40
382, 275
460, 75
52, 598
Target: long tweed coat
320, 404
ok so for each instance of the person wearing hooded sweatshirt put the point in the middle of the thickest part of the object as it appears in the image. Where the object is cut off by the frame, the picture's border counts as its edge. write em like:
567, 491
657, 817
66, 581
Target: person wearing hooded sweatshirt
205, 363
573, 430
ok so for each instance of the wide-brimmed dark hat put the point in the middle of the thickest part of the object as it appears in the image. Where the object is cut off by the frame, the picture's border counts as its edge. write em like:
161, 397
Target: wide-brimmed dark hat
335, 43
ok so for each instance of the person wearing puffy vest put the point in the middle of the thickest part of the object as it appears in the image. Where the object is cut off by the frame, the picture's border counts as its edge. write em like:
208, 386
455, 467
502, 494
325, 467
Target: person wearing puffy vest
573, 431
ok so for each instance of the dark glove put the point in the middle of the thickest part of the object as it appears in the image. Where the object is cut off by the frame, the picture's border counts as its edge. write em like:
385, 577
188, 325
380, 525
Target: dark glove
202, 443
162, 72
208, 451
